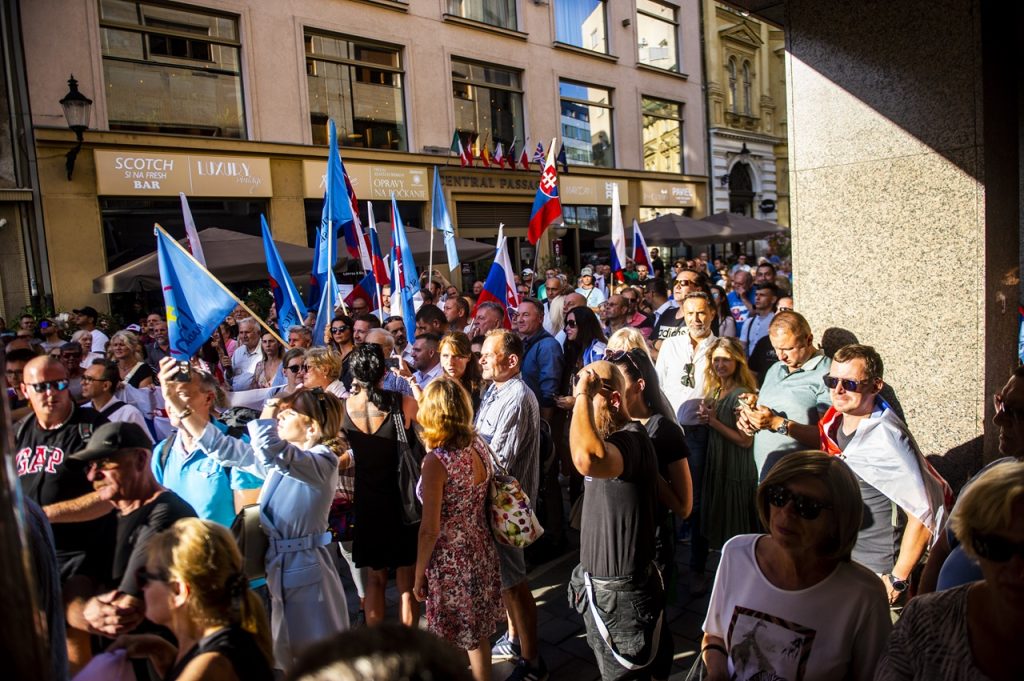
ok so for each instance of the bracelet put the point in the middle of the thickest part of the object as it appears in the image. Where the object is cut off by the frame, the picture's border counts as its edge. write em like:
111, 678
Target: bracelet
714, 646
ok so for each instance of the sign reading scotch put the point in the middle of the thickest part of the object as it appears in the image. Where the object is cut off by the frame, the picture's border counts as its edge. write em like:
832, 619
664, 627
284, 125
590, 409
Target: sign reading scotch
133, 173
372, 182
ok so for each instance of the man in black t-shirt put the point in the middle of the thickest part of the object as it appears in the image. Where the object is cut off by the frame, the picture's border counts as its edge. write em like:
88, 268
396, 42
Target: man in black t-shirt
117, 464
616, 586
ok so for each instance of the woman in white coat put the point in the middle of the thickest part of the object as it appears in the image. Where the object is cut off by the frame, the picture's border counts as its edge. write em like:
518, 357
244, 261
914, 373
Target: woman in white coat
293, 449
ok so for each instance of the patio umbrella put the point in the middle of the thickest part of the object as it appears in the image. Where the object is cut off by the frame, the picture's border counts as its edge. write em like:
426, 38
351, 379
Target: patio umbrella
737, 227
419, 243
670, 230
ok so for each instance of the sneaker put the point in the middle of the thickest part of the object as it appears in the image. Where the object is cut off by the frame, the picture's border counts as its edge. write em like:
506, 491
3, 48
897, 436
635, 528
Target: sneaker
505, 648
524, 671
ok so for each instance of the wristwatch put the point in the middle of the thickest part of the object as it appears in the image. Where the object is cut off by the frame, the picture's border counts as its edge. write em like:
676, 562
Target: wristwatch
898, 585
783, 428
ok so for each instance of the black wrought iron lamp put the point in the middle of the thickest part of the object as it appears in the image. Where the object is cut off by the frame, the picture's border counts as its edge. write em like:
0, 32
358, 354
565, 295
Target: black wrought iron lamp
77, 110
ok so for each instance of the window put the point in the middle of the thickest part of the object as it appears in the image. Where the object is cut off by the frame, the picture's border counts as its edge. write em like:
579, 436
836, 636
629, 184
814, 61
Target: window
581, 23
733, 106
656, 34
589, 218
587, 124
171, 70
495, 12
663, 135
488, 102
746, 88
359, 85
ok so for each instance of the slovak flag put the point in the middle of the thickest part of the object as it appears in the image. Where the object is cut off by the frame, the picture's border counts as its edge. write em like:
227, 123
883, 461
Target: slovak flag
641, 254
618, 261
379, 267
547, 207
365, 289
500, 285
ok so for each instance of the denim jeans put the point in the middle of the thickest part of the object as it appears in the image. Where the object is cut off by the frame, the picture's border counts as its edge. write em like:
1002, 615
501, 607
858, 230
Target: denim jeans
697, 442
630, 608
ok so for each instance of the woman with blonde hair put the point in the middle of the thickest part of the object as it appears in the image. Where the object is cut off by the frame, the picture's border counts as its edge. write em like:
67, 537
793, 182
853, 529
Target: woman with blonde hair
125, 349
459, 364
193, 584
295, 448
457, 570
84, 338
730, 474
323, 370
626, 339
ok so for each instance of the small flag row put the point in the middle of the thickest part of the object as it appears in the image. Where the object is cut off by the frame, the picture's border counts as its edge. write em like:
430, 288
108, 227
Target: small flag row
468, 147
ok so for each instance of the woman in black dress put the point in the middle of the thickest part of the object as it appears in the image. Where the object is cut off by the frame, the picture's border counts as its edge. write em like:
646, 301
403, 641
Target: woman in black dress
194, 585
372, 421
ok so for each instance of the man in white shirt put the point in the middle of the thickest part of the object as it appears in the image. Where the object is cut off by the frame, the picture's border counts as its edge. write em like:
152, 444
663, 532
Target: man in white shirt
98, 385
246, 356
426, 359
588, 289
86, 318
756, 326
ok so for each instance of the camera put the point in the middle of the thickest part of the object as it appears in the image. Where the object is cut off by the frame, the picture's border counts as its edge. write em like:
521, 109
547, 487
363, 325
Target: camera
184, 373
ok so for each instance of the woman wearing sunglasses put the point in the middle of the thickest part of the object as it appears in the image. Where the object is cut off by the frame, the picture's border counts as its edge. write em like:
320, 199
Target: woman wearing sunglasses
295, 449
790, 604
193, 585
971, 631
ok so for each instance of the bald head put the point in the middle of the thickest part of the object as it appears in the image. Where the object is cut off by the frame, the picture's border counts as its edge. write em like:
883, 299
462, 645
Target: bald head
52, 402
573, 300
44, 368
382, 338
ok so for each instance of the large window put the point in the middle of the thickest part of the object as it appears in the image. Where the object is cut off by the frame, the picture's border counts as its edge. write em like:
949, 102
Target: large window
663, 135
488, 102
587, 124
171, 70
495, 12
656, 35
582, 23
359, 85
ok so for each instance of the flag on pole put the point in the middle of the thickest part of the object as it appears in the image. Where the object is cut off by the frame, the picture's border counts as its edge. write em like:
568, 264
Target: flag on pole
343, 208
319, 272
562, 159
404, 281
290, 310
511, 157
366, 289
442, 220
196, 302
459, 149
547, 207
524, 157
618, 261
499, 155
538, 153
379, 266
500, 285
194, 245
641, 254
485, 155
325, 307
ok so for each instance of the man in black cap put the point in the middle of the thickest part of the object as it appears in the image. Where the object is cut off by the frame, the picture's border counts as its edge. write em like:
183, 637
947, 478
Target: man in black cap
86, 318
116, 461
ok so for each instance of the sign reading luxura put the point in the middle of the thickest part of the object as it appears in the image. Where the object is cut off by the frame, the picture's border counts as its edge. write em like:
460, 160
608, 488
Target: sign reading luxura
133, 173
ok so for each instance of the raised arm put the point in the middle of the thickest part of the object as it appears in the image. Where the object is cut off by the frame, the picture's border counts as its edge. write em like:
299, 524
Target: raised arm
591, 455
317, 466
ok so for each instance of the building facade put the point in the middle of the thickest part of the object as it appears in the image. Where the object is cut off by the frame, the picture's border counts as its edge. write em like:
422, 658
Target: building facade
746, 77
228, 101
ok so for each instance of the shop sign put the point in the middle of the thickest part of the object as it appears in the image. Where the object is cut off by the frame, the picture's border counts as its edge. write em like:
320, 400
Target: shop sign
591, 191
132, 173
668, 194
370, 181
490, 181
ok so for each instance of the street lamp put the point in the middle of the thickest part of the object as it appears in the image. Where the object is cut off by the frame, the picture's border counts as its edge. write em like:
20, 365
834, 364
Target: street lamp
77, 108
744, 155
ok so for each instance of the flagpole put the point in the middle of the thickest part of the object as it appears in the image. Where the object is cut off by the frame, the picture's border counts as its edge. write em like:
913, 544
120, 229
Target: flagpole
223, 287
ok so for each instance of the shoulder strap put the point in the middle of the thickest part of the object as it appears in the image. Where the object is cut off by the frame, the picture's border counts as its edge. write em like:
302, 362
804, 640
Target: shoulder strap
165, 452
111, 408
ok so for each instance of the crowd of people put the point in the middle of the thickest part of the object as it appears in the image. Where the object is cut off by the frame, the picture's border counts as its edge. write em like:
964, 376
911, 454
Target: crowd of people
643, 408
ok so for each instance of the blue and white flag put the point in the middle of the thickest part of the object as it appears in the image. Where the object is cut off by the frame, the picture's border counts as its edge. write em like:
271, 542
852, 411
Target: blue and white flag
290, 310
442, 220
404, 280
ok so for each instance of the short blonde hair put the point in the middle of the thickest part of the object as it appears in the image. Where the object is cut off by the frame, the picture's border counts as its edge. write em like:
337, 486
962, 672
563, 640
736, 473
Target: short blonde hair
793, 322
627, 338
446, 415
987, 505
843, 495
327, 360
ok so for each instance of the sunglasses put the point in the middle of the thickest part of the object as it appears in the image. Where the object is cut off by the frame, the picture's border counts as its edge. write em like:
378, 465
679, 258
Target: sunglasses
143, 577
57, 386
849, 385
295, 368
605, 383
686, 282
687, 378
339, 329
1015, 413
571, 324
997, 549
620, 356
805, 507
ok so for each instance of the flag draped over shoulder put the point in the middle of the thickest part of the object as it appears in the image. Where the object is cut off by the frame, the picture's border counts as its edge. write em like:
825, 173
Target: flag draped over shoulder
196, 302
290, 310
618, 262
442, 220
194, 245
404, 280
547, 207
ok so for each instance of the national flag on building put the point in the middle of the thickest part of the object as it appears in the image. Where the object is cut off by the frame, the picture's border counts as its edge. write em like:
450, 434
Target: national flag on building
485, 155
442, 220
194, 245
538, 154
641, 254
618, 260
524, 157
196, 301
290, 310
547, 207
404, 281
562, 158
510, 157
459, 149
500, 285
499, 155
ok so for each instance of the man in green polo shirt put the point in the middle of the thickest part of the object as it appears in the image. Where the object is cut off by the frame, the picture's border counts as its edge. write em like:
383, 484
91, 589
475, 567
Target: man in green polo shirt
793, 398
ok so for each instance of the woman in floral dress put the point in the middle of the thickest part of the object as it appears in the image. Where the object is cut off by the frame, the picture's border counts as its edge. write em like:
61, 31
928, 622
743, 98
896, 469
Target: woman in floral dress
457, 564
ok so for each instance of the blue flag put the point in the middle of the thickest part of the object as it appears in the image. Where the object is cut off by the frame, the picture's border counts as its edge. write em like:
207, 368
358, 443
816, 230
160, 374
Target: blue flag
290, 310
196, 302
325, 308
404, 282
443, 221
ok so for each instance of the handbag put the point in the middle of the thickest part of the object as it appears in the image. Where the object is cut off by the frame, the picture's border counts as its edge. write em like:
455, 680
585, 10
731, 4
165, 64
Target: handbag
513, 521
341, 519
253, 542
409, 464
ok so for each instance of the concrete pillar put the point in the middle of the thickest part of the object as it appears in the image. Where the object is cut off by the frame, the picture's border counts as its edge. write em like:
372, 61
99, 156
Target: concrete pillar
904, 171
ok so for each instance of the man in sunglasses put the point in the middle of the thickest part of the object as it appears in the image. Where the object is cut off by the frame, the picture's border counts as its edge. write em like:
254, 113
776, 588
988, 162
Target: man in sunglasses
179, 463
83, 527
99, 382
904, 498
116, 461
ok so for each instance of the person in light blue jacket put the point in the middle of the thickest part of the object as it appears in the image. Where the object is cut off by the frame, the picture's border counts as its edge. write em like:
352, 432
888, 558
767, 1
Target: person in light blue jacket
293, 448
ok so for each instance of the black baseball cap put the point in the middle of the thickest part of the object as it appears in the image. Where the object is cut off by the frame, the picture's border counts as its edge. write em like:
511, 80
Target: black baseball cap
112, 437
88, 311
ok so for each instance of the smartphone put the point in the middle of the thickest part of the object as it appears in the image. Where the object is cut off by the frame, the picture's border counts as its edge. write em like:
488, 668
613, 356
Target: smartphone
391, 363
184, 373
